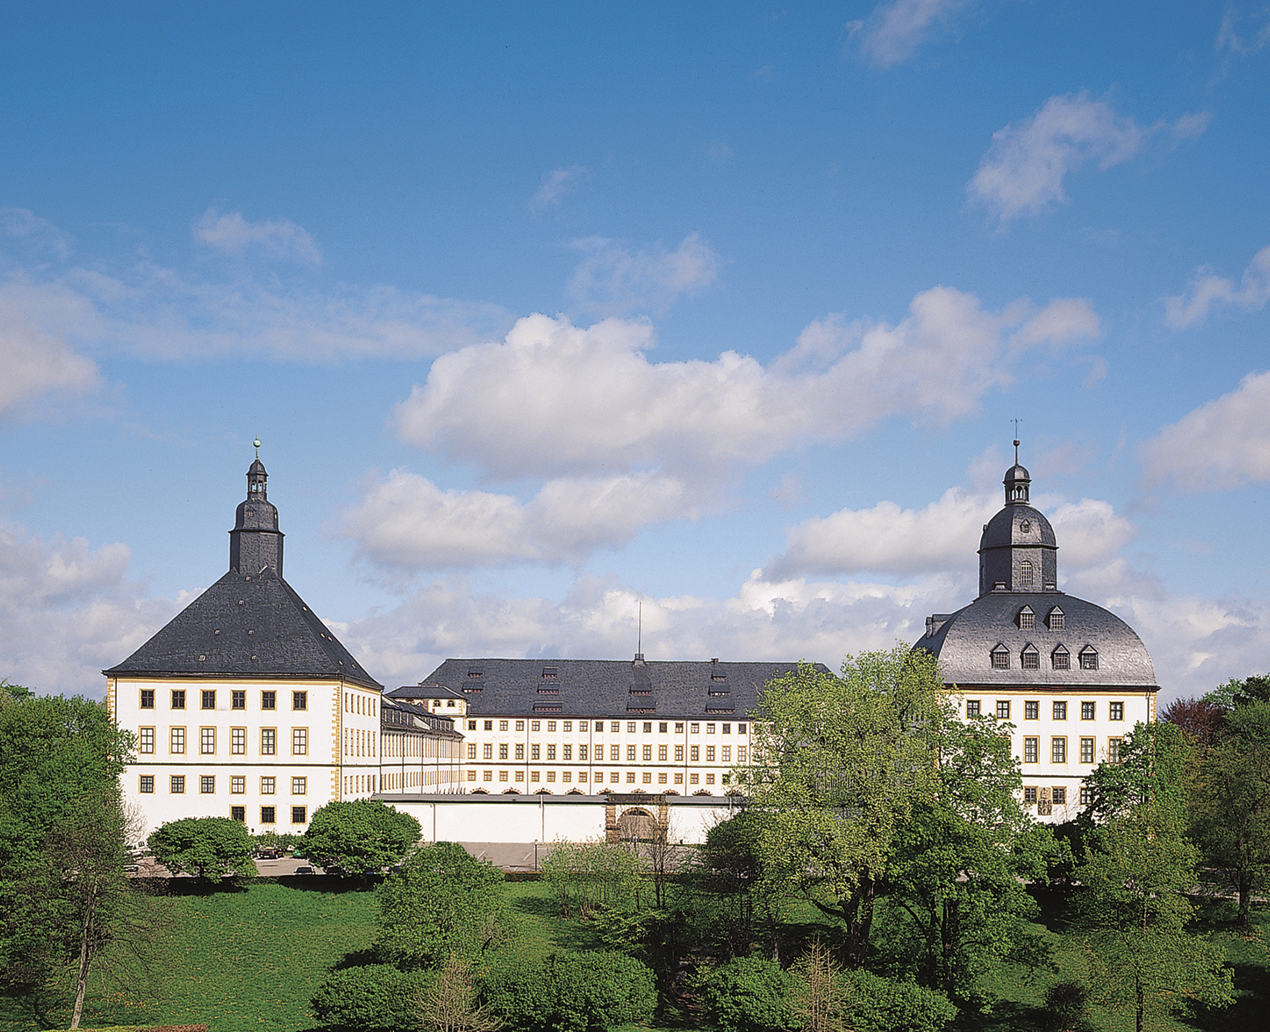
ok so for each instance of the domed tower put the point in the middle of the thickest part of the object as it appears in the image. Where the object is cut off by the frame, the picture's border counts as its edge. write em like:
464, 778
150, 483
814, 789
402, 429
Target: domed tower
1017, 551
255, 543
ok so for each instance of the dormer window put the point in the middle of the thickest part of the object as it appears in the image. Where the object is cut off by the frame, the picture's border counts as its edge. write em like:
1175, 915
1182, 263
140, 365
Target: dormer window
474, 672
1000, 657
550, 671
1030, 657
1060, 659
1089, 658
1057, 619
1025, 574
1027, 619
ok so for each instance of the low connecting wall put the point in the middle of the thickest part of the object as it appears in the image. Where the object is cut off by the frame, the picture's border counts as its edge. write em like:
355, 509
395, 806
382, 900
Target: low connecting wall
546, 818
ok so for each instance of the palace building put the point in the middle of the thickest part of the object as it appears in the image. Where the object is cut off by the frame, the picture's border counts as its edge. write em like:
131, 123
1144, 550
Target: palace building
1070, 676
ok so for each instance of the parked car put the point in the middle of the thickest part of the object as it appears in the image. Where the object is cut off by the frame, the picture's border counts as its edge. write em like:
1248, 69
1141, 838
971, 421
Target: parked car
304, 870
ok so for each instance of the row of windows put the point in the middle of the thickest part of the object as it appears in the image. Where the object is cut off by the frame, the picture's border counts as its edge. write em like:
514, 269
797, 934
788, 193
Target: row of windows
1032, 710
516, 751
237, 741
615, 777
1058, 750
1056, 619
237, 699
1057, 794
1030, 658
663, 726
354, 702
269, 814
207, 784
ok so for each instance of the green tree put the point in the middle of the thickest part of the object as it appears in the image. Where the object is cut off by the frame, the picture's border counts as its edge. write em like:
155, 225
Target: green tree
443, 901
740, 903
358, 836
210, 848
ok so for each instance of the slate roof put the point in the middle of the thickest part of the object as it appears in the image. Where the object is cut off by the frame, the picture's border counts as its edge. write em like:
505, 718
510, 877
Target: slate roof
246, 626
398, 714
601, 687
964, 640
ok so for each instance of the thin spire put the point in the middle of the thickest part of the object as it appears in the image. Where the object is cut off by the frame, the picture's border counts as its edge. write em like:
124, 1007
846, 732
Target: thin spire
257, 442
1016, 421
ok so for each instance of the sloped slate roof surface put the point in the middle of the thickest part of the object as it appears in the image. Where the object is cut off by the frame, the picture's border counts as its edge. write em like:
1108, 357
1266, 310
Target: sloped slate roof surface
965, 641
602, 687
246, 626
1003, 529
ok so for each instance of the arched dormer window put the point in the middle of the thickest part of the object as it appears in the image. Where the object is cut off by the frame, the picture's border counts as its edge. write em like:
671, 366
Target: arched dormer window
1057, 619
1089, 658
1026, 575
1000, 657
1027, 619
1061, 659
1030, 657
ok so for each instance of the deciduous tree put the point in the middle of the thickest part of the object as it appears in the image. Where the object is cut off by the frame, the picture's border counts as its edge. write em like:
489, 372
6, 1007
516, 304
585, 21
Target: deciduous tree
210, 848
360, 835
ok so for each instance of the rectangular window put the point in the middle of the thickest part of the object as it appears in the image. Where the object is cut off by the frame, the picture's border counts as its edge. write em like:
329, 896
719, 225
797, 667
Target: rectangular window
1086, 750
268, 700
727, 754
1089, 660
615, 753
1087, 710
178, 698
1116, 710
709, 779
520, 750
1060, 711
551, 751
740, 754
648, 753
268, 741
207, 784
679, 728
535, 751
1113, 750
648, 778
679, 754
1031, 750
237, 784
1000, 660
471, 775
662, 753
1061, 659
694, 754
709, 729
502, 750
299, 741
1027, 621
568, 726
709, 754
630, 777
145, 739
298, 814
972, 707
630, 754
176, 784
488, 775
237, 741
535, 725
727, 729
207, 741
551, 725
299, 700
147, 698
471, 725
502, 725
567, 753
299, 786
1059, 795
1031, 710
238, 813
267, 786
268, 815
238, 700
582, 752
1086, 795
694, 729
630, 730
489, 725
146, 784
487, 751
551, 776
520, 725
209, 698
177, 740
1003, 709
1030, 659
1058, 750
1029, 795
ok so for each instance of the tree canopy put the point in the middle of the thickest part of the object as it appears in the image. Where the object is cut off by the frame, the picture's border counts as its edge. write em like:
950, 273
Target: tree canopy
210, 848
358, 836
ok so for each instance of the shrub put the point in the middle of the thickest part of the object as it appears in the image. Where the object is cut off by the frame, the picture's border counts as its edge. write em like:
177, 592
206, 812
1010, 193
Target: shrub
880, 1005
570, 992
374, 998
748, 994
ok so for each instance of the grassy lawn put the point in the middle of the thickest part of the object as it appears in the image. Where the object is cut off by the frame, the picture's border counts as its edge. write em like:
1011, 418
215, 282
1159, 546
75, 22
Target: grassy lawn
250, 960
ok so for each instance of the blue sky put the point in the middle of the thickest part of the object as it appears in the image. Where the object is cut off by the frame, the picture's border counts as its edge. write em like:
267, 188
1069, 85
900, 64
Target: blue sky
544, 312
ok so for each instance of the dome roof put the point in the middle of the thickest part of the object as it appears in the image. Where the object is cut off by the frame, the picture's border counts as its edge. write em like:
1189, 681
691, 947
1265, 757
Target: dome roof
1017, 524
964, 641
1016, 473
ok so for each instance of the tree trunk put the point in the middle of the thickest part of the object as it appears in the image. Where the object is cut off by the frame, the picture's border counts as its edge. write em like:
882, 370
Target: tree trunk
85, 962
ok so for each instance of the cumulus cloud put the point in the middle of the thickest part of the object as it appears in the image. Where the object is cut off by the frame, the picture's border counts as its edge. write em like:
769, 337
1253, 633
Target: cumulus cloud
1207, 290
1028, 161
556, 184
614, 280
1222, 444
406, 522
230, 233
894, 31
557, 399
36, 362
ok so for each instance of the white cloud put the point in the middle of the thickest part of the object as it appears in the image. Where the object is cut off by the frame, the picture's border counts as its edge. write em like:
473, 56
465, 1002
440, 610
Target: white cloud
894, 31
1207, 289
1089, 533
406, 522
556, 184
278, 238
556, 399
1028, 161
1232, 37
36, 362
24, 224
614, 280
1222, 444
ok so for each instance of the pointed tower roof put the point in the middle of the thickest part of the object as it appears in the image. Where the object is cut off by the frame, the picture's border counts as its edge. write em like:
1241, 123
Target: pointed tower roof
251, 622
